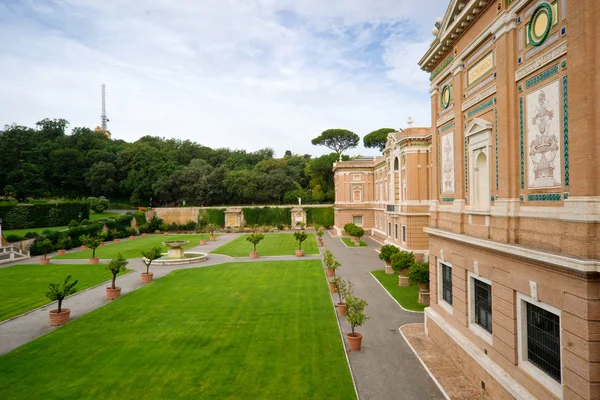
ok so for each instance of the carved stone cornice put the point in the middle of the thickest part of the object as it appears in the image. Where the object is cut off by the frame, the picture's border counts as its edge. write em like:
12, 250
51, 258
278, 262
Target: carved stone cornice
478, 97
541, 61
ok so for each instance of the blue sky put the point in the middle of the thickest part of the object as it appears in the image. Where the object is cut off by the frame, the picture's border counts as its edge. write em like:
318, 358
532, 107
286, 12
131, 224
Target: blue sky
232, 73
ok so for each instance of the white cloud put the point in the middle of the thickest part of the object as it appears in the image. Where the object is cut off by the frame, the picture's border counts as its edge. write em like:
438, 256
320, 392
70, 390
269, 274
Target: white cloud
235, 73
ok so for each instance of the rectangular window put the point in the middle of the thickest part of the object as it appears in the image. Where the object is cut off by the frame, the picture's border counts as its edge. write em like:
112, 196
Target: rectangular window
396, 231
482, 304
404, 233
543, 340
357, 219
389, 229
447, 283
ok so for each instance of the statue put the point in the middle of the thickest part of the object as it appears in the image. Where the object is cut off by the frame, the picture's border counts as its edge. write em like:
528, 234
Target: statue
299, 201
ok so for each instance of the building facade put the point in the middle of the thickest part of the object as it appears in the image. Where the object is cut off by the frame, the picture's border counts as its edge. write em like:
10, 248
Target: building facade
514, 194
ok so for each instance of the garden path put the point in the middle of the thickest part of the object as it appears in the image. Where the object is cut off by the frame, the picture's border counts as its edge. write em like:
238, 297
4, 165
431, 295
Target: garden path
386, 367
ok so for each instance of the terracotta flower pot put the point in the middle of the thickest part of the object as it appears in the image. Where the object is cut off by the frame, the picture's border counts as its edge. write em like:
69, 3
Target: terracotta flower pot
147, 277
332, 288
254, 254
57, 319
44, 261
341, 309
101, 244
116, 241
131, 237
330, 272
299, 253
423, 287
112, 294
95, 260
320, 243
212, 238
355, 341
166, 233
61, 252
144, 234
202, 242
84, 247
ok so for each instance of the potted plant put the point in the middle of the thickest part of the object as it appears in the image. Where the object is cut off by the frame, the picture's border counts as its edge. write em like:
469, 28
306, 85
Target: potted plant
419, 273
211, 230
386, 253
255, 239
402, 261
300, 237
62, 245
46, 246
202, 231
320, 236
344, 290
131, 232
356, 232
149, 256
115, 266
58, 292
331, 263
333, 284
93, 244
355, 308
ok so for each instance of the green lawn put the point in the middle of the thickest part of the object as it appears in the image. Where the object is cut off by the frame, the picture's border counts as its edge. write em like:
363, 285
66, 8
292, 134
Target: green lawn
104, 215
282, 244
24, 287
132, 248
22, 232
349, 242
262, 330
407, 296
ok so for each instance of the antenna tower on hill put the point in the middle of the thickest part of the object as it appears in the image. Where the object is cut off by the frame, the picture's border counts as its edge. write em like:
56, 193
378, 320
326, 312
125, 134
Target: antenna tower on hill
104, 119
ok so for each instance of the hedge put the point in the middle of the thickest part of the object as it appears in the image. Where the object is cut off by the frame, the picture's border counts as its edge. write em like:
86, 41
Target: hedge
24, 216
214, 216
267, 216
322, 216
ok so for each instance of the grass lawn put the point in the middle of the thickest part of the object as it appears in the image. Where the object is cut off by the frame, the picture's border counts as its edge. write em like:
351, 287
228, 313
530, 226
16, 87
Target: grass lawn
349, 242
407, 296
232, 331
104, 215
22, 232
24, 287
132, 248
282, 244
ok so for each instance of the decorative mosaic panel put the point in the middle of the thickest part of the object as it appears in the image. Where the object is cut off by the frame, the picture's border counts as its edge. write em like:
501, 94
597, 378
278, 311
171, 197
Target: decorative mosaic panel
541, 77
544, 197
445, 128
566, 129
447, 198
448, 163
522, 143
466, 168
439, 152
543, 137
496, 132
480, 107
442, 67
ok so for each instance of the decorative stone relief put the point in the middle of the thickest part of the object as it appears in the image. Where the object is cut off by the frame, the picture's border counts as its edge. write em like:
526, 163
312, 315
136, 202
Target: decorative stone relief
448, 163
478, 97
539, 62
543, 137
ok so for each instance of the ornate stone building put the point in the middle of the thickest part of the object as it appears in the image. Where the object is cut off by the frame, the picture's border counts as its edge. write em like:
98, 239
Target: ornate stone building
514, 195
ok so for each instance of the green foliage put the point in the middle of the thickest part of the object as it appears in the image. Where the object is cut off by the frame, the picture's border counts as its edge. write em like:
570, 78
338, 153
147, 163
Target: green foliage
267, 216
300, 237
255, 239
91, 242
46, 246
64, 243
140, 218
32, 235
354, 230
419, 272
211, 228
73, 224
330, 261
387, 251
115, 266
338, 140
378, 138
12, 238
355, 308
58, 291
154, 224
214, 216
402, 260
150, 255
320, 233
23, 216
98, 204
322, 216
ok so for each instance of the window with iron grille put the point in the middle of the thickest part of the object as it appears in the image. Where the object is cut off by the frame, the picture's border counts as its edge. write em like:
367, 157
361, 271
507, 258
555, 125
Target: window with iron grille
543, 340
483, 304
447, 283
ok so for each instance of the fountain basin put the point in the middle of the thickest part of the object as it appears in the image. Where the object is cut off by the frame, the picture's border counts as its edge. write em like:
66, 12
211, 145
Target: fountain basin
175, 248
188, 258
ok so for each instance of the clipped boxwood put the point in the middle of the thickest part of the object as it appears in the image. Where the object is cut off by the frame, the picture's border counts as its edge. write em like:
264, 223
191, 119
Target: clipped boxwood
402, 260
387, 252
321, 216
419, 272
24, 216
267, 216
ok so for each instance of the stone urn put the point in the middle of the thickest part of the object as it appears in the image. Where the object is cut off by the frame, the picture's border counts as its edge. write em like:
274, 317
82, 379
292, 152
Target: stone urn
112, 294
57, 319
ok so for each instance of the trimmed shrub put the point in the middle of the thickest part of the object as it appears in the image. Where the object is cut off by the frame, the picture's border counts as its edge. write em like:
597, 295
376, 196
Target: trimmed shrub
267, 216
387, 252
154, 224
322, 216
140, 218
419, 272
85, 222
73, 224
215, 216
12, 238
23, 216
31, 235
98, 204
402, 260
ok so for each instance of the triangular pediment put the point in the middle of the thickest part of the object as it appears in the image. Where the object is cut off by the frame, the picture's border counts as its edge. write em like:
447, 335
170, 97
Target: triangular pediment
454, 9
477, 125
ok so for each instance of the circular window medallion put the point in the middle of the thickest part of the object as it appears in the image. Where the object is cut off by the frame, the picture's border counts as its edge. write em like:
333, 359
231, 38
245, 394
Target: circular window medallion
540, 24
446, 96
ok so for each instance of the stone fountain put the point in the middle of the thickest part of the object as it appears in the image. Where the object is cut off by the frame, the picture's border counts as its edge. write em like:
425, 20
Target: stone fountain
176, 255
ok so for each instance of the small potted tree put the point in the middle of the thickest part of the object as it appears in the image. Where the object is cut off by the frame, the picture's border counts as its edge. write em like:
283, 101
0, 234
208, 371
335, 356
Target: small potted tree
149, 256
211, 230
62, 245
46, 246
300, 237
333, 284
344, 290
202, 231
386, 253
115, 266
419, 273
320, 236
356, 232
331, 263
401, 262
58, 292
255, 239
92, 243
355, 308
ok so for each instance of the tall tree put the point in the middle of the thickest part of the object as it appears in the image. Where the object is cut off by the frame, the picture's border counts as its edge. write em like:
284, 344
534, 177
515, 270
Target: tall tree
378, 138
338, 140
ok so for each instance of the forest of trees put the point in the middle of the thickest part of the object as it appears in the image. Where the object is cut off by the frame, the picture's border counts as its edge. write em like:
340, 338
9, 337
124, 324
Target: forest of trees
46, 162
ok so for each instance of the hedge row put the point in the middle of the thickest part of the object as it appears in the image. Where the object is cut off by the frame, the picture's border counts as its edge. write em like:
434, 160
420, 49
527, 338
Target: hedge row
267, 216
320, 217
215, 216
24, 216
